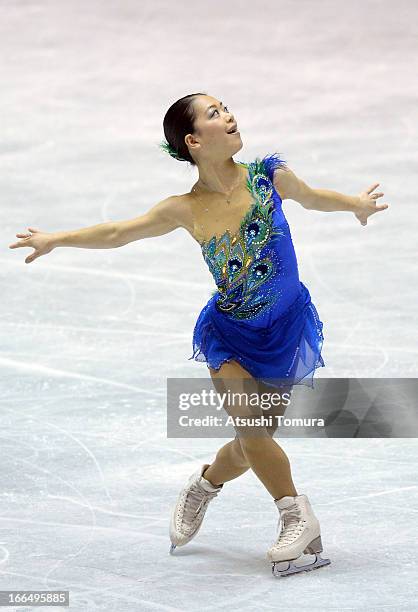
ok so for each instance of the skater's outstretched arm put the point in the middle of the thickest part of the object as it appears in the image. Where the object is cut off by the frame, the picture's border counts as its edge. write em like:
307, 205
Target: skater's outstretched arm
161, 219
289, 186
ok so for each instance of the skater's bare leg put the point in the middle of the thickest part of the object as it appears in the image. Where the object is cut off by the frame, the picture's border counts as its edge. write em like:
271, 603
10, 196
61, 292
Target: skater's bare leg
270, 464
260, 452
230, 462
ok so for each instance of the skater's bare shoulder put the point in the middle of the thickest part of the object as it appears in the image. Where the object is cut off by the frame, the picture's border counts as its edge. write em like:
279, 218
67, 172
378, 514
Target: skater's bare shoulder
162, 218
186, 211
179, 209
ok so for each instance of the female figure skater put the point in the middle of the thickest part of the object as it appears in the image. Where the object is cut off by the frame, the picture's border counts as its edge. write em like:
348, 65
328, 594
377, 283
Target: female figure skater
260, 328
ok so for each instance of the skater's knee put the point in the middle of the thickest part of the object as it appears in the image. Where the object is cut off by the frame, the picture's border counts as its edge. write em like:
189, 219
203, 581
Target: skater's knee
277, 410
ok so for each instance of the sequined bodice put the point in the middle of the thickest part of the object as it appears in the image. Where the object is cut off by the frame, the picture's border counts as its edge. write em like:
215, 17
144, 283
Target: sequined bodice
255, 269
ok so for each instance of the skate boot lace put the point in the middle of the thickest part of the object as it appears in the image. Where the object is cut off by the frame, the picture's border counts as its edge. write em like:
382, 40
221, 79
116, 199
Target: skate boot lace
196, 499
292, 525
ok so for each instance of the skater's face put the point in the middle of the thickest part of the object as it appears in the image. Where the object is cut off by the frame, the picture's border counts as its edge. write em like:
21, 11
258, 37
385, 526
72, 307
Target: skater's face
210, 139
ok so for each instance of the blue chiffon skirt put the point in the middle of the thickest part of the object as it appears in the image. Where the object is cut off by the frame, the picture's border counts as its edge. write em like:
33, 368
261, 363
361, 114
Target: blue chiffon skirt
285, 353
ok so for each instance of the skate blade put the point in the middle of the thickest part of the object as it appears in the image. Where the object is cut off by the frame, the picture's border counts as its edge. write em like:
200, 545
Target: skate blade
295, 569
172, 547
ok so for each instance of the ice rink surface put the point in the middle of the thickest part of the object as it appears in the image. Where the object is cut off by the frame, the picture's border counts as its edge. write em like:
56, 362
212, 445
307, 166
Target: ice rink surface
89, 337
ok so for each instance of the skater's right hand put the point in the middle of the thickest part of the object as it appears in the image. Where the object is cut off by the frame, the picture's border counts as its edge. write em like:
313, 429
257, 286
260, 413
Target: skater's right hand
42, 242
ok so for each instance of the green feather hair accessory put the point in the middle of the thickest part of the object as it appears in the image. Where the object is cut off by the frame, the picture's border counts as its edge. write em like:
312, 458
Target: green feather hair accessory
165, 146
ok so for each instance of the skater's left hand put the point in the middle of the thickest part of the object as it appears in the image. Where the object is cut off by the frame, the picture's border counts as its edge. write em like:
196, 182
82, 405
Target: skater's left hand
367, 204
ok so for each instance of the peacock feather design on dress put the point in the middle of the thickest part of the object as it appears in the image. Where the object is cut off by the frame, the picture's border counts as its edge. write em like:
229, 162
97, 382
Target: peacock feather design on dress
234, 260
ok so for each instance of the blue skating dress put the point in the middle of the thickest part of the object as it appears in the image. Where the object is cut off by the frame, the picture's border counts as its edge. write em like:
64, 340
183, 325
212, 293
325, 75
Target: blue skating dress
261, 314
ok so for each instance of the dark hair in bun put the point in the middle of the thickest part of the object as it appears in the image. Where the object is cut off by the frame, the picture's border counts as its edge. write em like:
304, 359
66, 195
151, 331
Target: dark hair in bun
179, 121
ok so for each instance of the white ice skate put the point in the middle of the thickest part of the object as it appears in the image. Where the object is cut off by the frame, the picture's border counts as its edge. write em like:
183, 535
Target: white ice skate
300, 534
188, 513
